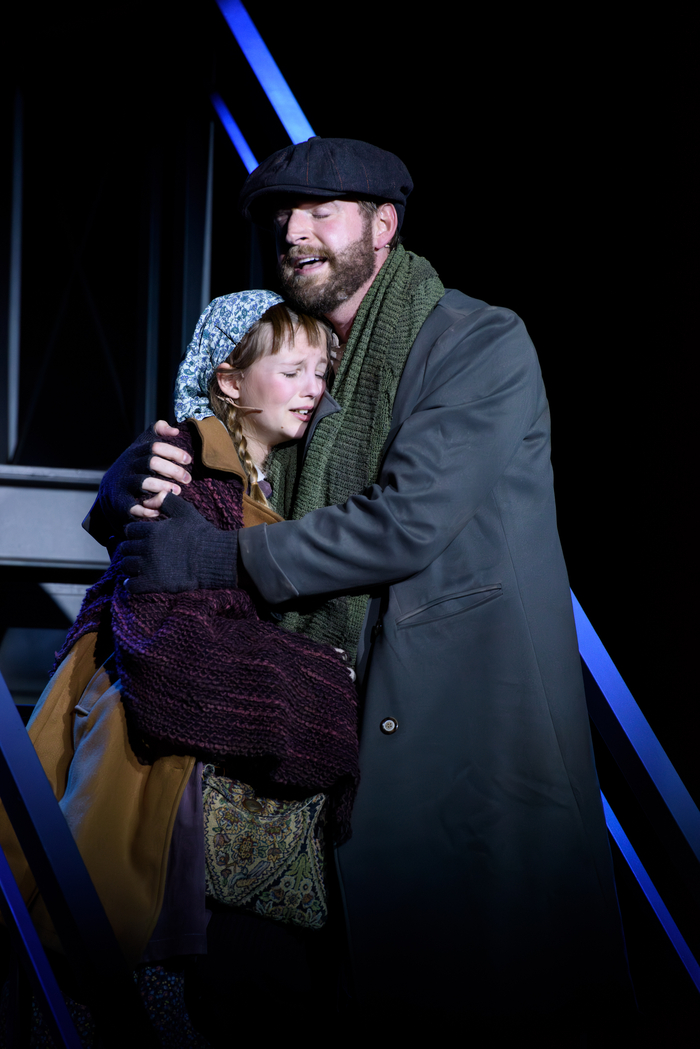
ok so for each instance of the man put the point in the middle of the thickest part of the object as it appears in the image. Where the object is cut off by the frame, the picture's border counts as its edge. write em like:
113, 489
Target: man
478, 876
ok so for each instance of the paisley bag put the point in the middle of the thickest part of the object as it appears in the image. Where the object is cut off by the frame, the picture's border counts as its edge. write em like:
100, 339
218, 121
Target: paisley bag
264, 855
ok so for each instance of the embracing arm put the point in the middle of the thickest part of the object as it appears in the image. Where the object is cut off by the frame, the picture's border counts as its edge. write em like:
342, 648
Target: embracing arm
147, 466
480, 394
474, 397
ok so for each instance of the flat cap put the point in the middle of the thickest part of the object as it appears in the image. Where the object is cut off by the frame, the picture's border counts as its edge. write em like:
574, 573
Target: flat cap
330, 168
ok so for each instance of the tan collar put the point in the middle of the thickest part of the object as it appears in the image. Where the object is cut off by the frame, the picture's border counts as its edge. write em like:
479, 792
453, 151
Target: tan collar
218, 452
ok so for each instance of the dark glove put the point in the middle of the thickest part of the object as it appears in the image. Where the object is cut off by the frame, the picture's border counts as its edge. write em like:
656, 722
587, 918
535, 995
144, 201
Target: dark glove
120, 487
185, 552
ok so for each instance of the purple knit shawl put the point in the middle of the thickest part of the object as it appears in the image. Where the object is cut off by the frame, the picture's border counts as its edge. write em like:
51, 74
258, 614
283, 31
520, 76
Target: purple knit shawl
201, 673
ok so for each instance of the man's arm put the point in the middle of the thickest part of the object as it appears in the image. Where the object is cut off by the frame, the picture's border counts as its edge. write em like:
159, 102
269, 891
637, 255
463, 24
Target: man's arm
481, 393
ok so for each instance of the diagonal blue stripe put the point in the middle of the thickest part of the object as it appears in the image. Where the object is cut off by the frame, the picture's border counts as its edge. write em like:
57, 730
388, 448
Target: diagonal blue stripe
234, 133
638, 731
647, 886
26, 941
266, 70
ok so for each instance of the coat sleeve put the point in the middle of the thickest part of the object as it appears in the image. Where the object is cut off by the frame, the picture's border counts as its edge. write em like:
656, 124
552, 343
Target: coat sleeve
480, 393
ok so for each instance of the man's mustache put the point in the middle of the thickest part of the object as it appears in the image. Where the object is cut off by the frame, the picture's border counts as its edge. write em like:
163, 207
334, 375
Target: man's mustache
300, 253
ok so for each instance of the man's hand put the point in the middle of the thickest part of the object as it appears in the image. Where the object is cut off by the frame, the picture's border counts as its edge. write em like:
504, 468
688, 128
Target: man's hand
131, 477
169, 463
183, 553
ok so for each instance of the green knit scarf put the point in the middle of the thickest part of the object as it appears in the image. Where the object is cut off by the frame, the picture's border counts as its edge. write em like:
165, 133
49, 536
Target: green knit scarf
345, 454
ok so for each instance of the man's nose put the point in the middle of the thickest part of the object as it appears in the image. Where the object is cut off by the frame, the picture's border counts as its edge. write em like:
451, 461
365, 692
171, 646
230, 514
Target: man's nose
297, 227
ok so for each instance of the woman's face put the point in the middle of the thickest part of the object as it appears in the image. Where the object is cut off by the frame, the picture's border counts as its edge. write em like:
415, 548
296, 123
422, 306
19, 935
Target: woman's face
283, 389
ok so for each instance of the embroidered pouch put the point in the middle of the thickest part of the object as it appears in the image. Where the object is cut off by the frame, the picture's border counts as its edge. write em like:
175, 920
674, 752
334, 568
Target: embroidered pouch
264, 855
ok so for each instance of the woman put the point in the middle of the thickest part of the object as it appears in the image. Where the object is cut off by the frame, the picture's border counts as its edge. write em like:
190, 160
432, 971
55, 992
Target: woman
204, 677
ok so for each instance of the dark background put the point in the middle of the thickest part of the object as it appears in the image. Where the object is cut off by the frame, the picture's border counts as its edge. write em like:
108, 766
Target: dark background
554, 165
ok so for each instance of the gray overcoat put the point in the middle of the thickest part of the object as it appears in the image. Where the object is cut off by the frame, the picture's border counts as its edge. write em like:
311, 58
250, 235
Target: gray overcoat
478, 875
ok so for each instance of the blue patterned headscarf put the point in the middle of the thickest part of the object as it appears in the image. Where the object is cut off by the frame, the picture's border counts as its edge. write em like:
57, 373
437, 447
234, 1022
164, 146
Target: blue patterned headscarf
221, 327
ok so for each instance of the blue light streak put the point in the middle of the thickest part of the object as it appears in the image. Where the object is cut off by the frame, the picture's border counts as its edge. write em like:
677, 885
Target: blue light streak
638, 731
28, 946
266, 70
647, 887
234, 133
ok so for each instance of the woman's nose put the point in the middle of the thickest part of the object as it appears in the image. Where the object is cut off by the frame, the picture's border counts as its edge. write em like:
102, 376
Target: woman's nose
315, 386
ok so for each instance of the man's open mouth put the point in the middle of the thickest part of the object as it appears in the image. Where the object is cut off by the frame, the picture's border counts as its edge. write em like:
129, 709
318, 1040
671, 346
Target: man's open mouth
300, 264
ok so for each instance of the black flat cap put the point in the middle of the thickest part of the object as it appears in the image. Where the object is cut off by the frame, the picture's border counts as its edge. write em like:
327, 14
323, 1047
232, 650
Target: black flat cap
327, 167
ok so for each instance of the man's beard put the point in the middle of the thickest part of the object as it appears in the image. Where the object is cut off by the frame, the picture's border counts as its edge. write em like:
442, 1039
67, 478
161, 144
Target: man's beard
349, 270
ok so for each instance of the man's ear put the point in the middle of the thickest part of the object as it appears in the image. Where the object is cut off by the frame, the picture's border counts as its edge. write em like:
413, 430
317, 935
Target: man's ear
386, 222
229, 381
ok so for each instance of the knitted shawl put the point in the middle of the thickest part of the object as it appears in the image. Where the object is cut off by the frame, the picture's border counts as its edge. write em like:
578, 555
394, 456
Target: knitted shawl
201, 673
345, 454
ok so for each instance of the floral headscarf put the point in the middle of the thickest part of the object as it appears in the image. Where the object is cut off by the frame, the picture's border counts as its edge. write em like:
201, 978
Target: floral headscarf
221, 327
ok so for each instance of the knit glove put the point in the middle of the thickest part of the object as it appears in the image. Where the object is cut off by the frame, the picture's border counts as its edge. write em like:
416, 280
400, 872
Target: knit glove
184, 552
120, 487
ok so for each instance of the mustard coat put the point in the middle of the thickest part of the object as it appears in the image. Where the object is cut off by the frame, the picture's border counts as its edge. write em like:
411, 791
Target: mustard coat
121, 813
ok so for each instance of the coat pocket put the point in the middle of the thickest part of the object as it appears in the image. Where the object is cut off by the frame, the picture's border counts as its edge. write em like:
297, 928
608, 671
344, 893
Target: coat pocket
450, 605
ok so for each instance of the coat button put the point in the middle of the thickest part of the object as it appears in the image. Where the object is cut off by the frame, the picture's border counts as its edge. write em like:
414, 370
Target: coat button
376, 630
388, 725
252, 805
